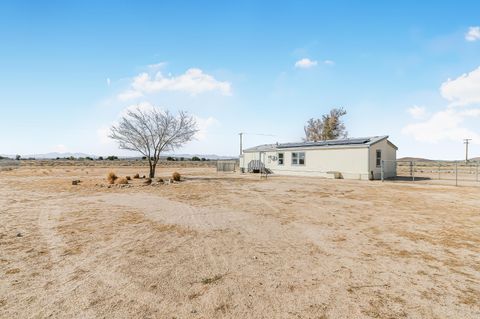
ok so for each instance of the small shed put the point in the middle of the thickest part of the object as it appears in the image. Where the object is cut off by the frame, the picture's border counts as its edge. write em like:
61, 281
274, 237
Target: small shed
350, 158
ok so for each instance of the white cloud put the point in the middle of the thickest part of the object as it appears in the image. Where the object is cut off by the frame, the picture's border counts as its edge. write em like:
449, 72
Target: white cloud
463, 90
129, 95
157, 65
305, 63
473, 34
451, 123
329, 62
444, 125
102, 135
60, 148
204, 125
108, 82
193, 81
417, 112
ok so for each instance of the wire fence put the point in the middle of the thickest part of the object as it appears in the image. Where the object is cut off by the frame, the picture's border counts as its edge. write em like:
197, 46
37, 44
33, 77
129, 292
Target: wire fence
436, 172
227, 165
7, 164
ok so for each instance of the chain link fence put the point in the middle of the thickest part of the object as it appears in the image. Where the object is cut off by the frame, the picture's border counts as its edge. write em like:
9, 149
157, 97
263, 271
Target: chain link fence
8, 164
227, 165
435, 172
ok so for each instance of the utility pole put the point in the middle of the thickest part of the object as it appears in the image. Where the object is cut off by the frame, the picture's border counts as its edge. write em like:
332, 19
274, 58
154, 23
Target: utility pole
466, 141
241, 147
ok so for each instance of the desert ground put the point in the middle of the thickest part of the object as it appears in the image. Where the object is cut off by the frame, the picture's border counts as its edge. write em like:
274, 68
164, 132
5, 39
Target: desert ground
227, 245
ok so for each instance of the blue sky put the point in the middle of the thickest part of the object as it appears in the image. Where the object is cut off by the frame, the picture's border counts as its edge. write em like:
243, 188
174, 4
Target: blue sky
68, 70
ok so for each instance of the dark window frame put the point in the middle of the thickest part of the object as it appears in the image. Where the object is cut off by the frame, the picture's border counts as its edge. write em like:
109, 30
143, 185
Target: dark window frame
378, 159
298, 158
281, 159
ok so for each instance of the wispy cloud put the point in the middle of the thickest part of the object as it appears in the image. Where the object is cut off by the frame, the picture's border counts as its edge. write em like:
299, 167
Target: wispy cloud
108, 81
194, 81
329, 62
305, 63
417, 112
473, 34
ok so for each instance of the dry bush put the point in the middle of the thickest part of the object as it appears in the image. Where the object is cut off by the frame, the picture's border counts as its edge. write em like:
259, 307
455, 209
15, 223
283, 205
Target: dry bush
122, 181
160, 180
128, 178
176, 176
136, 176
148, 181
111, 178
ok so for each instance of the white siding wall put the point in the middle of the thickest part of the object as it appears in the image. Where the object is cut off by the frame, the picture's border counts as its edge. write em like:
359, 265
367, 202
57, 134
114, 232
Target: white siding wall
352, 163
389, 153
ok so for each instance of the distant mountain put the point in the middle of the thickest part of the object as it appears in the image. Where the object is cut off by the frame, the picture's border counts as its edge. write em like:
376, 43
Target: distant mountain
54, 155
417, 159
420, 159
207, 156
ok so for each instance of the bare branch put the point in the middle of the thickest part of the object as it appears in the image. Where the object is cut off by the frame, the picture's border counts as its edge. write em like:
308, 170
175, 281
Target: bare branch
151, 132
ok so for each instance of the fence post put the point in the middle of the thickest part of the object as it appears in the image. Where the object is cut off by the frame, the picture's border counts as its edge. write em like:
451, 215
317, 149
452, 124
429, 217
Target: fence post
413, 171
439, 171
382, 166
477, 171
456, 174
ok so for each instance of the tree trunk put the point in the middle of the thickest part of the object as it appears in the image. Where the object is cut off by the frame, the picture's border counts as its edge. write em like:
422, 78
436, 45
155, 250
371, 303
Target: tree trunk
152, 170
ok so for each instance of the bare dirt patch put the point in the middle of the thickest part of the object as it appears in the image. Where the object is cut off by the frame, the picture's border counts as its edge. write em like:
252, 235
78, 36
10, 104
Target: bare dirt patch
230, 245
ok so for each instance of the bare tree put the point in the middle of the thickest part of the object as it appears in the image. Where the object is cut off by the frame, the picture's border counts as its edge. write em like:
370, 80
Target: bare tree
329, 127
151, 132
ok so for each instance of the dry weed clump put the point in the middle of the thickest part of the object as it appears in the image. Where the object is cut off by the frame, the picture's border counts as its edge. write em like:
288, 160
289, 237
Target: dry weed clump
160, 180
148, 181
176, 176
128, 178
210, 280
111, 177
122, 181
136, 176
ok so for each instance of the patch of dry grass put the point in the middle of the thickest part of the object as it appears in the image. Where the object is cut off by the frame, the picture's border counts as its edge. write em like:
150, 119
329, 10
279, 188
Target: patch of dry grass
111, 177
122, 181
176, 176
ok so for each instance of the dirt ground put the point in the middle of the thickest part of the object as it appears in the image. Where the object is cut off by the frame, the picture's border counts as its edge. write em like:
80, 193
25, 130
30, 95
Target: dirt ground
234, 246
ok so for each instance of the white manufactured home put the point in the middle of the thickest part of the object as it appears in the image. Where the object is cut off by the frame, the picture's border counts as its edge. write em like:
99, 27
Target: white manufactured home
351, 158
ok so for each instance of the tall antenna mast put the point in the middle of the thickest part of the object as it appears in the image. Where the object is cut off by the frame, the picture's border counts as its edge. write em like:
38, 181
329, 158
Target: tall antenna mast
466, 141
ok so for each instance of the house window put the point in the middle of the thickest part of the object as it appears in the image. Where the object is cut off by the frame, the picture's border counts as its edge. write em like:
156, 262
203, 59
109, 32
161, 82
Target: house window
298, 158
379, 158
280, 158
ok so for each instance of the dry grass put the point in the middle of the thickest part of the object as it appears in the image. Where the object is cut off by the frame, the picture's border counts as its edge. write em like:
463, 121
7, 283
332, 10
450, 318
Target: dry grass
111, 177
176, 176
324, 249
211, 280
122, 181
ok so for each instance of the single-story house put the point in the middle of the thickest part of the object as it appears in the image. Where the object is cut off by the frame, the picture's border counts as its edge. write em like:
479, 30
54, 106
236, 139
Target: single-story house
350, 158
